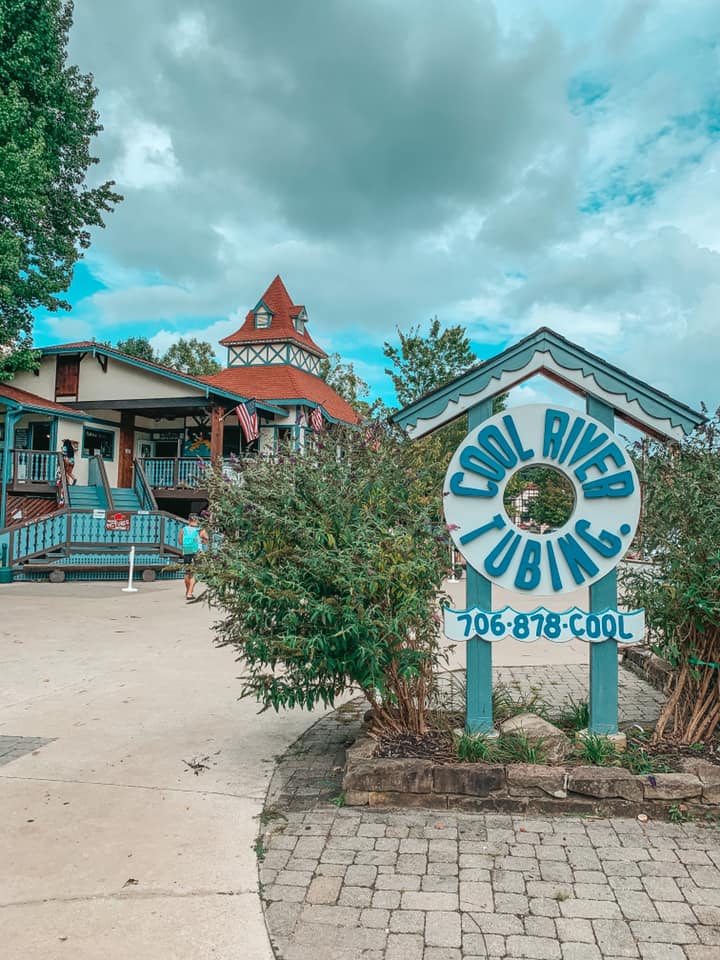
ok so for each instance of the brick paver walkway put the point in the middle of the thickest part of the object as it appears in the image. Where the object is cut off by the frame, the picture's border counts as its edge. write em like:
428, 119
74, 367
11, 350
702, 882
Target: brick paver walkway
361, 884
638, 702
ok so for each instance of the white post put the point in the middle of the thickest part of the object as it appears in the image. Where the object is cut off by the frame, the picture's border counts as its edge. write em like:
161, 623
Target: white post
130, 588
452, 578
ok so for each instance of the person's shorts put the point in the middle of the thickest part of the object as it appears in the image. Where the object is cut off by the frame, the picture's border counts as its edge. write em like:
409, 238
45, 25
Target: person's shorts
189, 559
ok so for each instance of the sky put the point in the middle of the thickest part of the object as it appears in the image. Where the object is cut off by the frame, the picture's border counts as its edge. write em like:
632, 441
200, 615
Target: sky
502, 165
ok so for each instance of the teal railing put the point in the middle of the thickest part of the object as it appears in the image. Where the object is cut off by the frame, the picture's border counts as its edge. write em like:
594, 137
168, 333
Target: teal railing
33, 466
174, 473
142, 488
69, 530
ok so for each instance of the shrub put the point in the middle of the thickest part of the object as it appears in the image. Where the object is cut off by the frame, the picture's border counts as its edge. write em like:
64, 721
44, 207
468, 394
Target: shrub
681, 593
327, 574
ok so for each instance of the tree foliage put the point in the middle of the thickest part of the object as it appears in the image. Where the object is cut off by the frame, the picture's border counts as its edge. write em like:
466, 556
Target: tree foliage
680, 589
192, 356
137, 347
327, 574
47, 120
554, 501
342, 378
422, 363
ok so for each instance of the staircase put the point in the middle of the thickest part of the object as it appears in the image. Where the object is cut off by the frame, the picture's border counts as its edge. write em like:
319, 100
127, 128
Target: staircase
87, 498
124, 499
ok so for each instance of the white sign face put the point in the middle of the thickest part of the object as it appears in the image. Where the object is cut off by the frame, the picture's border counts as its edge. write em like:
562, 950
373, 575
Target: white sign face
603, 521
575, 624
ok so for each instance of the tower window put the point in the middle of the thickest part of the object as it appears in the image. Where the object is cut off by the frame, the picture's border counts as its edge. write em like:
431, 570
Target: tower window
262, 318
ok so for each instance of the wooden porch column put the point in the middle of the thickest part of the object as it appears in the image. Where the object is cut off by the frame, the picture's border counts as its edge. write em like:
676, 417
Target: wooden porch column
217, 428
127, 447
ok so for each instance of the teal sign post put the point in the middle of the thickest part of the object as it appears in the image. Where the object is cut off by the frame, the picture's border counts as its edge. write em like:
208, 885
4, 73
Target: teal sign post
582, 553
585, 551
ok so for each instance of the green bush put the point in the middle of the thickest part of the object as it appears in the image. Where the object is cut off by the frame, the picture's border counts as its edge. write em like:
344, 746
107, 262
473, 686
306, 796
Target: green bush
680, 591
328, 572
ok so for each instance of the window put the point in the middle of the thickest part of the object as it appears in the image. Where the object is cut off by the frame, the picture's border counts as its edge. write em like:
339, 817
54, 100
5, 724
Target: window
262, 318
300, 321
98, 441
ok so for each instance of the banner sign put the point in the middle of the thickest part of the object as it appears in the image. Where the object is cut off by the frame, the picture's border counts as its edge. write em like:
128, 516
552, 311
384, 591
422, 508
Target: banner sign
625, 627
606, 491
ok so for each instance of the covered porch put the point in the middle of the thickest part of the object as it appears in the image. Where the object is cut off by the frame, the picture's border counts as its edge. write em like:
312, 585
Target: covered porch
174, 440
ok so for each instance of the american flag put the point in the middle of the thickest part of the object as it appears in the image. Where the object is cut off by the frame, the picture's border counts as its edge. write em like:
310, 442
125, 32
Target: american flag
316, 419
247, 415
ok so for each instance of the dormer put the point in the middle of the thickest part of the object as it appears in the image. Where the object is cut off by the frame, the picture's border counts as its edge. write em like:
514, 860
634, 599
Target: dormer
299, 319
263, 316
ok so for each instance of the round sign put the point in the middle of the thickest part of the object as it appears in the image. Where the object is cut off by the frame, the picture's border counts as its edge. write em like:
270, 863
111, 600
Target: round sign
603, 520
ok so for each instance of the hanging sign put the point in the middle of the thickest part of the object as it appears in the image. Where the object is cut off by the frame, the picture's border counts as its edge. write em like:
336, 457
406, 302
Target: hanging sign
584, 549
117, 521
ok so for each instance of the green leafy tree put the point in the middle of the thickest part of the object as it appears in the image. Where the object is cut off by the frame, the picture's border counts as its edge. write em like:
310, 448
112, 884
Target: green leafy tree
679, 585
138, 347
342, 378
47, 120
422, 363
327, 572
192, 356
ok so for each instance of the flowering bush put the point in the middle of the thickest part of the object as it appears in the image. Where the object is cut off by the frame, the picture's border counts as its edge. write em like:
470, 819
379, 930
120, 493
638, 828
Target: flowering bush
681, 590
328, 575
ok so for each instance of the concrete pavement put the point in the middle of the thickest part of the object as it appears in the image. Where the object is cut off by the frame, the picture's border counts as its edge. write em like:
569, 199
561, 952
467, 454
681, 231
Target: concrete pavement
111, 846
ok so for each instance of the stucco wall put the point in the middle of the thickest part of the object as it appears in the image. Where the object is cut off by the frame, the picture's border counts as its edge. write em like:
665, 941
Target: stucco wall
125, 382
42, 384
121, 382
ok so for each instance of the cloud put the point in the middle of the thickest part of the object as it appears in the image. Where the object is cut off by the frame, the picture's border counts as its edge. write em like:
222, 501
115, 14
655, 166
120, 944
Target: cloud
500, 165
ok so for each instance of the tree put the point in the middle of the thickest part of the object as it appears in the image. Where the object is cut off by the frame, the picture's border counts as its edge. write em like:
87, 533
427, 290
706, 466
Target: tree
327, 571
138, 347
424, 363
342, 378
679, 585
192, 356
47, 120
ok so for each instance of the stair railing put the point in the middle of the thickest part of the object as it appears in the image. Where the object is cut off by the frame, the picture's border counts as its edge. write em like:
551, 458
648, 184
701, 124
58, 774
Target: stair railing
100, 473
142, 488
61, 482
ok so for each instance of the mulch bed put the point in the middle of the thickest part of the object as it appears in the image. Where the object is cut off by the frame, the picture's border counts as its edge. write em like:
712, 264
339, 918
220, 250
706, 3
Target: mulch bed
439, 746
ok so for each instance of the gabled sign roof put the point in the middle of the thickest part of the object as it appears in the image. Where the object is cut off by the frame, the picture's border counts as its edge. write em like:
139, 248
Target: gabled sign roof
546, 352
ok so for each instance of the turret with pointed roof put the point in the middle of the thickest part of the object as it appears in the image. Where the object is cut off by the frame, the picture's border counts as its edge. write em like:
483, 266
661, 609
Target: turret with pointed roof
273, 355
274, 331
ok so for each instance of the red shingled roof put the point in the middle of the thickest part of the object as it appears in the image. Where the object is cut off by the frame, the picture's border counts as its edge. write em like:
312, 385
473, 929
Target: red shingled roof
282, 382
33, 400
282, 327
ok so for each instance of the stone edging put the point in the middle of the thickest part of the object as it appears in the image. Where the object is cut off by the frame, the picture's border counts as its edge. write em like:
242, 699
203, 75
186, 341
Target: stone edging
374, 782
648, 665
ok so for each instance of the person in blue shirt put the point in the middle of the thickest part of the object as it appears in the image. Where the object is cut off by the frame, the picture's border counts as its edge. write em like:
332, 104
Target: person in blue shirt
191, 539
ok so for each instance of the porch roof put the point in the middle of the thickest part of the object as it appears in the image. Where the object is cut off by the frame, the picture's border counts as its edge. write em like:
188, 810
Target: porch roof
15, 397
546, 352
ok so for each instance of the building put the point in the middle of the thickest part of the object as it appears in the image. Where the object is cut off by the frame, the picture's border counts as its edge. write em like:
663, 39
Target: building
144, 432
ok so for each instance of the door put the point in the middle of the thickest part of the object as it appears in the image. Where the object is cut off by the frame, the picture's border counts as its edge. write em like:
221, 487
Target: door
40, 434
127, 445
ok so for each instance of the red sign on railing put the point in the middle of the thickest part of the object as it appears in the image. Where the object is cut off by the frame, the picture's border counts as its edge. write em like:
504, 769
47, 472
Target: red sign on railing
117, 521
